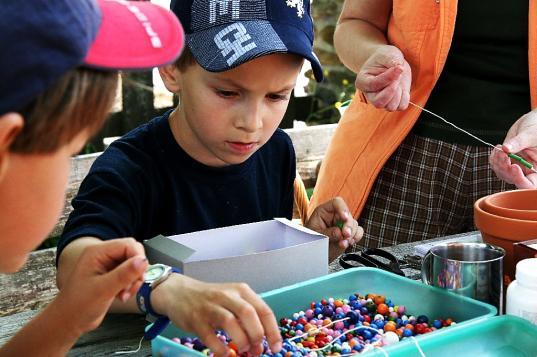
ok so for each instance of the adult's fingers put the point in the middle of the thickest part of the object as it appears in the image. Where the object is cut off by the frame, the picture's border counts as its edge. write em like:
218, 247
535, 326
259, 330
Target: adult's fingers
382, 98
109, 254
368, 82
393, 104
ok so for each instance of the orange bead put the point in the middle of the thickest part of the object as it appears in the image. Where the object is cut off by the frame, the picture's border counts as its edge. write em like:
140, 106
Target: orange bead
382, 309
410, 327
371, 296
379, 299
327, 322
232, 353
390, 326
233, 346
338, 303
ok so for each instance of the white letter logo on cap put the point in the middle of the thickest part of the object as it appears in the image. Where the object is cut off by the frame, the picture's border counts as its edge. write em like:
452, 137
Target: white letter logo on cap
224, 4
236, 47
299, 4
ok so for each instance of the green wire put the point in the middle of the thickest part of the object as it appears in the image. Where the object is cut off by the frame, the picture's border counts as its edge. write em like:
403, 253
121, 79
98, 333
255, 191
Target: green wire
521, 160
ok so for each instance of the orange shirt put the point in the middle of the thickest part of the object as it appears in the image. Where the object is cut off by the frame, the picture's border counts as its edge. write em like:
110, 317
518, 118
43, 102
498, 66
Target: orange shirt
366, 137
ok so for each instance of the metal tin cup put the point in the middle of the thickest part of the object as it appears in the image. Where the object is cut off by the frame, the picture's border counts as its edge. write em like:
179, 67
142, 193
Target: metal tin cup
474, 270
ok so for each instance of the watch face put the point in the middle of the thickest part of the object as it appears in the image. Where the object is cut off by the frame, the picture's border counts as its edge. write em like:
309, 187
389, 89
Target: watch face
154, 272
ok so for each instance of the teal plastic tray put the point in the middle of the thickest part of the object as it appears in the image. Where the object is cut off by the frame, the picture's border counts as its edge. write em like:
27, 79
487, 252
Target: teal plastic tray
500, 336
418, 298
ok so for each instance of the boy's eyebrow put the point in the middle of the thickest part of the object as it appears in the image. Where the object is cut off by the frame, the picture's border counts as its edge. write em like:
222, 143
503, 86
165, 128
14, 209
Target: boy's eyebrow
236, 84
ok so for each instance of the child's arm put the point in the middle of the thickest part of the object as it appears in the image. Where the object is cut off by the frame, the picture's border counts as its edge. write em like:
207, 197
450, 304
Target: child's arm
325, 220
196, 306
113, 269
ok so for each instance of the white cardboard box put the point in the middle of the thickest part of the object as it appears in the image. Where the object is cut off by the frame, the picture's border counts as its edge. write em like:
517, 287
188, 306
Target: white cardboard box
266, 255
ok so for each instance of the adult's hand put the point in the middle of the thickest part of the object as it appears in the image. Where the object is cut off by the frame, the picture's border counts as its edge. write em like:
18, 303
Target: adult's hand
522, 140
385, 79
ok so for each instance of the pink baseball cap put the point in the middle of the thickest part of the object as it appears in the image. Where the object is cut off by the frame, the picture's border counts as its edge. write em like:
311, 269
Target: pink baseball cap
135, 35
41, 40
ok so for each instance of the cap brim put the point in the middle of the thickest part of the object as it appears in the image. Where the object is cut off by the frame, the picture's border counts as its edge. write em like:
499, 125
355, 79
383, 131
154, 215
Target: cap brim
135, 35
269, 37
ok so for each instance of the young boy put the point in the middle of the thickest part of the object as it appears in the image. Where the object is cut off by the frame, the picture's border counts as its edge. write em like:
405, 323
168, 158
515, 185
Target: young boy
217, 160
51, 101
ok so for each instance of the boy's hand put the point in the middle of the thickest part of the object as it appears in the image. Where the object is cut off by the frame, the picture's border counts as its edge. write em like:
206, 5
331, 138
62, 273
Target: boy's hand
325, 220
521, 138
202, 308
105, 271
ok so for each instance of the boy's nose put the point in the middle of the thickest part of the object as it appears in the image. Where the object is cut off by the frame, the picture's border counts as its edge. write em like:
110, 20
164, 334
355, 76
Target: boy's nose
251, 119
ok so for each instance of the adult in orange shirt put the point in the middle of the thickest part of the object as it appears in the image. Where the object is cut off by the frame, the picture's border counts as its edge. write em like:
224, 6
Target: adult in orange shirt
405, 174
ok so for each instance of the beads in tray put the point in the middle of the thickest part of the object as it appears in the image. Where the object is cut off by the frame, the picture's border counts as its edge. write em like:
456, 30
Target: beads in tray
340, 327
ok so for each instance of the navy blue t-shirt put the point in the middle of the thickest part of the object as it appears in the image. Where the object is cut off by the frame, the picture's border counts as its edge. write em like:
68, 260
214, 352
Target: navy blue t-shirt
145, 184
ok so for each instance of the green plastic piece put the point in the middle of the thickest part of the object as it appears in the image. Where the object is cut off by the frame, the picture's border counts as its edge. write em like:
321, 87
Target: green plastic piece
521, 160
339, 224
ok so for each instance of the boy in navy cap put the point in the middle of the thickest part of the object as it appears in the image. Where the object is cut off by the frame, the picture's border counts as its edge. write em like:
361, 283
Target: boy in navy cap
217, 160
58, 78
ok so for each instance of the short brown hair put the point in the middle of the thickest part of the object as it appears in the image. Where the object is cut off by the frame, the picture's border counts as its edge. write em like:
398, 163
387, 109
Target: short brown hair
80, 100
185, 60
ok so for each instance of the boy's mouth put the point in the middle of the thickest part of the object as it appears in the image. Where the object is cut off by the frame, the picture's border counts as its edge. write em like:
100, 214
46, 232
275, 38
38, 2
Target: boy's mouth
242, 148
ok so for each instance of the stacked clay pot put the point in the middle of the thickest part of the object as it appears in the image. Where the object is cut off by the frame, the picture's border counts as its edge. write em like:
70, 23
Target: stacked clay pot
505, 218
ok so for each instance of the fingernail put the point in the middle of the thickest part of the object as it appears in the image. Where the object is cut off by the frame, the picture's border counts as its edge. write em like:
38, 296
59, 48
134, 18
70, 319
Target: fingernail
348, 231
509, 147
345, 244
125, 296
276, 347
139, 262
345, 214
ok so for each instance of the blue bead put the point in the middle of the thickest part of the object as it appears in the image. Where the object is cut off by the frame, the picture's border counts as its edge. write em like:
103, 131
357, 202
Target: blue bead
278, 354
422, 318
352, 297
367, 334
364, 311
342, 338
353, 316
437, 324
328, 311
317, 311
319, 305
345, 351
299, 327
407, 332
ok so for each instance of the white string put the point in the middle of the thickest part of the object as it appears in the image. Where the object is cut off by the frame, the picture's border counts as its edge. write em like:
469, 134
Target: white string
315, 330
464, 131
338, 337
422, 354
133, 351
455, 126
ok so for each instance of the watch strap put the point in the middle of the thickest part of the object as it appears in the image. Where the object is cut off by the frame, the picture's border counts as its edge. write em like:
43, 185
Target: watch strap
143, 298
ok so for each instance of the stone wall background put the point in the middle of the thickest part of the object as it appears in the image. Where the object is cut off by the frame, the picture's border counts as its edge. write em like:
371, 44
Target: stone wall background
338, 84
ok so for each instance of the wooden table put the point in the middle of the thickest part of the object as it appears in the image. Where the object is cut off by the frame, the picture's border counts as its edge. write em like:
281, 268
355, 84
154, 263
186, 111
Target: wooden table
121, 332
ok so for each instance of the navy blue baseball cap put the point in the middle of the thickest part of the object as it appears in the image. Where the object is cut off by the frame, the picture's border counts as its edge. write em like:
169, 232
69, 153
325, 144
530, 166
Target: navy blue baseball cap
222, 34
41, 40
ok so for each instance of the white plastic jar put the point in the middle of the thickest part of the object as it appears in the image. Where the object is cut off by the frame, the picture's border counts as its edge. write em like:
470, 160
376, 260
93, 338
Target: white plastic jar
522, 292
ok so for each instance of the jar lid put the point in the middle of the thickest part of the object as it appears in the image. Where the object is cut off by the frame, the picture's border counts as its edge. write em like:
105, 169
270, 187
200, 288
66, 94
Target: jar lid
526, 271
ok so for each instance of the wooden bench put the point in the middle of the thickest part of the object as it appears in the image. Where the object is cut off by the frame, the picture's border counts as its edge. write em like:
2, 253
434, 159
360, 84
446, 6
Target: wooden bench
34, 286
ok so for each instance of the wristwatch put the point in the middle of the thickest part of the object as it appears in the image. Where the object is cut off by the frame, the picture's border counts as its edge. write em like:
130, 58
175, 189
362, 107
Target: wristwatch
154, 275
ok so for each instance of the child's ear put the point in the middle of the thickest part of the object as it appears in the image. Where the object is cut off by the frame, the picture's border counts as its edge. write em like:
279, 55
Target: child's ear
171, 76
10, 125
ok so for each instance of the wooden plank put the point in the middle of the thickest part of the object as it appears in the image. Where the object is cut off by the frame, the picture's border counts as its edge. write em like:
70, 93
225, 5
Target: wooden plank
32, 287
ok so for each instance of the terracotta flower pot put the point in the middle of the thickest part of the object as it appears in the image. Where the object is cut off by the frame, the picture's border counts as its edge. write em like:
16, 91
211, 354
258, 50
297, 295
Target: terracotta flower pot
518, 204
503, 232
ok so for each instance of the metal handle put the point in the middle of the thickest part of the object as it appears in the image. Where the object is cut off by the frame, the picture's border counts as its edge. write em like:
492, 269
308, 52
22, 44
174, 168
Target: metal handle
425, 267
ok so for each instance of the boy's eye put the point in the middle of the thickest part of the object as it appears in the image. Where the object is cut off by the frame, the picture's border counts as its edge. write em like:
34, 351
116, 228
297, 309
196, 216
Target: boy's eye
226, 93
274, 96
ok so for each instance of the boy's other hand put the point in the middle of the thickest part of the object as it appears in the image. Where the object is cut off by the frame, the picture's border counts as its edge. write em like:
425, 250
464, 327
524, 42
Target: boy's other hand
202, 308
105, 271
325, 220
